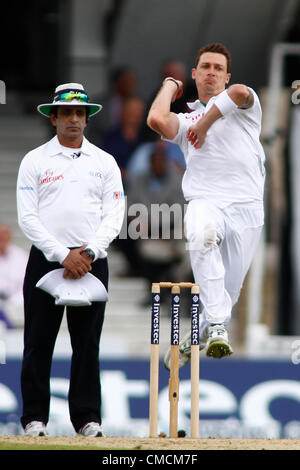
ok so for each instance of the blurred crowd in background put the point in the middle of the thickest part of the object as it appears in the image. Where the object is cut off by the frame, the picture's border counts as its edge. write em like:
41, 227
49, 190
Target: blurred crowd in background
13, 261
151, 170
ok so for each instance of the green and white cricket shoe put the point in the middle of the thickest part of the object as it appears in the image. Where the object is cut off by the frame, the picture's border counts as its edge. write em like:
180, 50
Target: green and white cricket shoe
184, 350
218, 345
35, 429
91, 430
213, 337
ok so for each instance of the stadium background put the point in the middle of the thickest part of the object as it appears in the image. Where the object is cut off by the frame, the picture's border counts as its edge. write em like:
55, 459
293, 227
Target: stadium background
256, 393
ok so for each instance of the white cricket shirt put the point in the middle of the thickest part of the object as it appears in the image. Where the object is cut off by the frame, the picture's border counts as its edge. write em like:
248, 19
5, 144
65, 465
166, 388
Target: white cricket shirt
65, 200
229, 167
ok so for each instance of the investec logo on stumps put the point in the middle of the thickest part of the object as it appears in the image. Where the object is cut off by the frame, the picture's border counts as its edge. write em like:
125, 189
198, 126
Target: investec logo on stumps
2, 92
175, 319
155, 319
195, 320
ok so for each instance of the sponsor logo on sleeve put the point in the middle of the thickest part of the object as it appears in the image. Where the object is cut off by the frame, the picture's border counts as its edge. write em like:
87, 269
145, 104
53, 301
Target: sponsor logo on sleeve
118, 195
26, 188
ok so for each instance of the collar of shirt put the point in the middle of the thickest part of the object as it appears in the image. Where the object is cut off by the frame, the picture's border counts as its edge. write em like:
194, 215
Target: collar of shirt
196, 104
55, 148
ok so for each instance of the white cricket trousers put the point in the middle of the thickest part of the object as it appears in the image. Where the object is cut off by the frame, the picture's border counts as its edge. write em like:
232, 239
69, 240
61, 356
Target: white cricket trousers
221, 243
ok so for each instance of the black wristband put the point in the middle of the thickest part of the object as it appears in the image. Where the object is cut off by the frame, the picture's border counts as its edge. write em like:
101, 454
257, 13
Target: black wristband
171, 79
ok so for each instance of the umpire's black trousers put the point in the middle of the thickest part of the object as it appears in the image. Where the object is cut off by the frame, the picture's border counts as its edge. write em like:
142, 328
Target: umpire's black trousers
42, 323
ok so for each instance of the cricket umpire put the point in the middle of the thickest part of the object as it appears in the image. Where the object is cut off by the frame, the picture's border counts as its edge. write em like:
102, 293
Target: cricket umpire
71, 206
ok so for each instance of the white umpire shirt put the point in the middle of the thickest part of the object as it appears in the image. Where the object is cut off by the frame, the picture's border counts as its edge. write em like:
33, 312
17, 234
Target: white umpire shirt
67, 199
229, 167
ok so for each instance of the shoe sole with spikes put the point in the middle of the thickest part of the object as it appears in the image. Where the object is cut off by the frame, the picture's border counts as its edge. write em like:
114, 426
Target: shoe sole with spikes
219, 349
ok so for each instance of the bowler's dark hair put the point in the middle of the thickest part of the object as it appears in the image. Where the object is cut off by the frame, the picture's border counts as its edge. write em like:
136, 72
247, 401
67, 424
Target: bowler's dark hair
215, 47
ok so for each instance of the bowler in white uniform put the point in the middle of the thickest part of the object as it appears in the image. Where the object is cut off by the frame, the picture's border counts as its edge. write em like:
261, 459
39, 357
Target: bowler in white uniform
223, 185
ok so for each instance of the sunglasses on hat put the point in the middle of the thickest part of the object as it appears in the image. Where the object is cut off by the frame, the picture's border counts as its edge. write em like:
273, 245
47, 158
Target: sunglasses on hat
72, 95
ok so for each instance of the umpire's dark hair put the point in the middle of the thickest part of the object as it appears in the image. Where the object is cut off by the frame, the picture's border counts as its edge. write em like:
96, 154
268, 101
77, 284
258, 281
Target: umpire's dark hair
217, 47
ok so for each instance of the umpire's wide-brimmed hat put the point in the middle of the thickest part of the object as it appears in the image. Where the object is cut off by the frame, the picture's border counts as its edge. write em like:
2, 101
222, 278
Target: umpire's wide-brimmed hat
70, 94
